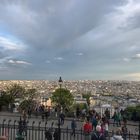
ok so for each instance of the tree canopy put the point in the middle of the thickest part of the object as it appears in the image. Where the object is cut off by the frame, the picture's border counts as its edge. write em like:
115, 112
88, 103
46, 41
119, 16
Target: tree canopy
26, 104
16, 91
5, 99
31, 93
62, 98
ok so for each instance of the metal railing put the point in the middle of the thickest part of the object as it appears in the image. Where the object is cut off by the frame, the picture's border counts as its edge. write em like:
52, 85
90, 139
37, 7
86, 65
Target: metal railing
37, 132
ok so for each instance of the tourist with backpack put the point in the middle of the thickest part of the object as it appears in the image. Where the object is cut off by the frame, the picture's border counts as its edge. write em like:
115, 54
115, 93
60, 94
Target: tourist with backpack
97, 135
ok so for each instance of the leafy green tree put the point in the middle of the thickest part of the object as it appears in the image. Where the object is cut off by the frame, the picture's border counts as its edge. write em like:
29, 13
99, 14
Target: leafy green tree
5, 99
31, 93
26, 104
131, 109
16, 91
62, 98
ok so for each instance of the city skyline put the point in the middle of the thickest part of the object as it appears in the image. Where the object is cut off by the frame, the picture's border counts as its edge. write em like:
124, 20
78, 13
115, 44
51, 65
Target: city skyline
78, 40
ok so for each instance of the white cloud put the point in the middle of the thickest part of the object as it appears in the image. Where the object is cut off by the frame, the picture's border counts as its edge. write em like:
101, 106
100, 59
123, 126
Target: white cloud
79, 54
8, 44
18, 62
125, 15
133, 48
126, 59
48, 61
136, 56
59, 58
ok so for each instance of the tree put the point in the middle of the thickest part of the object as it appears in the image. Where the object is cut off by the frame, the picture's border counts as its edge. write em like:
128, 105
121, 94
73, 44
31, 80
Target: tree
31, 93
28, 101
5, 99
62, 98
131, 110
16, 91
26, 104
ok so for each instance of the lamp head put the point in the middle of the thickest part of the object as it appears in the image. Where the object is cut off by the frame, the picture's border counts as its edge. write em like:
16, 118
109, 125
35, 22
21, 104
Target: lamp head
60, 80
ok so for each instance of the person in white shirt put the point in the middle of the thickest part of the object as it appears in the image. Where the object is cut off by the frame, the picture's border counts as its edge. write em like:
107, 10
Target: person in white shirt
117, 135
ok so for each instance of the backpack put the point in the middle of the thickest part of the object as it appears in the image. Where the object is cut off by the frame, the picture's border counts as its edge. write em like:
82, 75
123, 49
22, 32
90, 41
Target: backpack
87, 128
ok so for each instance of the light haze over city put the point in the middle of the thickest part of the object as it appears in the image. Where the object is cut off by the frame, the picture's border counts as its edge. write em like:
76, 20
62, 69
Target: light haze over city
75, 39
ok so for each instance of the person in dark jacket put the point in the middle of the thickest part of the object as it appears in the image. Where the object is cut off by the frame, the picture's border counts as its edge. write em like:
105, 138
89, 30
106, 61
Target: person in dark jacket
97, 135
56, 134
48, 134
73, 127
62, 118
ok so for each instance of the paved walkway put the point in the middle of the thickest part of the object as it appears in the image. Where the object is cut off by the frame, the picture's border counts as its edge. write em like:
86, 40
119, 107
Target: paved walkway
132, 126
14, 117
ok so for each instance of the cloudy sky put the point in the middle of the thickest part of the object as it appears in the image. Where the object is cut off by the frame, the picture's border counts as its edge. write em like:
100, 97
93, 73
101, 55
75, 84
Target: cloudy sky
77, 39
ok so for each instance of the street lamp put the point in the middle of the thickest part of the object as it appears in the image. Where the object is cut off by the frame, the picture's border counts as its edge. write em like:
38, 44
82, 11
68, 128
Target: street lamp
60, 82
59, 129
60, 85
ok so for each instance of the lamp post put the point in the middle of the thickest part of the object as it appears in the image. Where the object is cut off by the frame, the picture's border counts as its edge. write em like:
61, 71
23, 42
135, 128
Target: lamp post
60, 86
59, 129
60, 82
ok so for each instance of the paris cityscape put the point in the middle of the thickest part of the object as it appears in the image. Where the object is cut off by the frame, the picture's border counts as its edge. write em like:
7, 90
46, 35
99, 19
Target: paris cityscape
104, 97
127, 92
69, 70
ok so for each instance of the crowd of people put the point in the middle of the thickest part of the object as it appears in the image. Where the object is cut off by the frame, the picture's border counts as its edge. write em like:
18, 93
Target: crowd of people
95, 126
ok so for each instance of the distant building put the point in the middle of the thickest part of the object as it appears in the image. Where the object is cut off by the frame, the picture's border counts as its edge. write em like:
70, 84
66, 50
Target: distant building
46, 101
78, 99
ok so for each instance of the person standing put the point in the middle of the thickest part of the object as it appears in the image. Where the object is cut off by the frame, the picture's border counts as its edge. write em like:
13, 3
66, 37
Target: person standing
115, 119
124, 132
117, 135
119, 117
87, 127
94, 122
48, 134
97, 134
73, 127
62, 118
56, 134
29, 112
